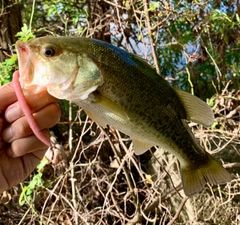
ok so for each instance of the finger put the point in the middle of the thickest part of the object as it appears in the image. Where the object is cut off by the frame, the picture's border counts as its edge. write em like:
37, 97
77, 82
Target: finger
35, 103
2, 124
45, 118
7, 96
15, 170
30, 144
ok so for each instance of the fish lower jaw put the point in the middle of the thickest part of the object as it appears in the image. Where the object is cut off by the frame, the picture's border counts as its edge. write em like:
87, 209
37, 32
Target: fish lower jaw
58, 93
32, 89
69, 93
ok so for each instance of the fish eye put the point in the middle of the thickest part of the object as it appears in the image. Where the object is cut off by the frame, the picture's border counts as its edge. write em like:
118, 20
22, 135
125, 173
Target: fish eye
49, 51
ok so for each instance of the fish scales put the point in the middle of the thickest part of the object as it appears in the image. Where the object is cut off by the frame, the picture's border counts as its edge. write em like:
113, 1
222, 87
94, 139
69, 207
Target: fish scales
120, 89
163, 117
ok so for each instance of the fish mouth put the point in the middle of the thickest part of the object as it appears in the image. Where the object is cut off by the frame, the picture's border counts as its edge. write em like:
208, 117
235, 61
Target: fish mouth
24, 63
27, 64
26, 69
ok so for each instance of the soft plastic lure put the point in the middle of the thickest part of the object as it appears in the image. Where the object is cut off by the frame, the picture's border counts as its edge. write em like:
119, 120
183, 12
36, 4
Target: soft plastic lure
26, 110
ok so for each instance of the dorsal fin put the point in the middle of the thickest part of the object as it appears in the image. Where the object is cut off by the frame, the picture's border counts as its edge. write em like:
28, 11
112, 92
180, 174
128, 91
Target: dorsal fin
197, 110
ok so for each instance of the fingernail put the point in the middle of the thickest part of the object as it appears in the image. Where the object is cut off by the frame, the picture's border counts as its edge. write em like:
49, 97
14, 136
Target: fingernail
7, 134
12, 113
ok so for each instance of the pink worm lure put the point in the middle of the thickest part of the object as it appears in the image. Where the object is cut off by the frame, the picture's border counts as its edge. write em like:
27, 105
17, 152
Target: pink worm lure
26, 110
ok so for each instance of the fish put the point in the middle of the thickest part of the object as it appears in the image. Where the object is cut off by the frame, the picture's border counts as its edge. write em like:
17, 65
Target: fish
122, 90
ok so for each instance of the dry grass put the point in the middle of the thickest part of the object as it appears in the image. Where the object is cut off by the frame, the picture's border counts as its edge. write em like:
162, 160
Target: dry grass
95, 178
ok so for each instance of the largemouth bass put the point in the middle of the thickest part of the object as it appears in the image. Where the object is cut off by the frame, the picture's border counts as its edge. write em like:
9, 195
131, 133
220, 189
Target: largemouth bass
120, 89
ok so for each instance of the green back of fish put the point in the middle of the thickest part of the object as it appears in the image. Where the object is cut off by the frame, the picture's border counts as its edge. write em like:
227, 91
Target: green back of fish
130, 82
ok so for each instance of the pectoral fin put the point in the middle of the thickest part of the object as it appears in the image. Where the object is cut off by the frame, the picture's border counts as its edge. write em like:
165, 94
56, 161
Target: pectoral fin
197, 110
108, 112
114, 112
96, 119
140, 146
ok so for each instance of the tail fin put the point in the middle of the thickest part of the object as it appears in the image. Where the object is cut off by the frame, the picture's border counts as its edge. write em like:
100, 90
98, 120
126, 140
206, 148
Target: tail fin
194, 179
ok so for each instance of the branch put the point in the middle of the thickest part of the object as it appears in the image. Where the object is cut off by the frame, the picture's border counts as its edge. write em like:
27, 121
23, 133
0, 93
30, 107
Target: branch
148, 24
232, 165
4, 49
233, 112
178, 211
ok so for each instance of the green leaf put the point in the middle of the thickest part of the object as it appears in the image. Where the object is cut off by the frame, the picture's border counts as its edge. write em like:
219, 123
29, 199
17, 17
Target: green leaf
42, 164
237, 18
153, 6
25, 34
6, 69
27, 192
127, 5
22, 198
214, 125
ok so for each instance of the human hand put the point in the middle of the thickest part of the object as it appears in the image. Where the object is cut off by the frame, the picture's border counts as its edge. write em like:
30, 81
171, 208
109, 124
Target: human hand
20, 150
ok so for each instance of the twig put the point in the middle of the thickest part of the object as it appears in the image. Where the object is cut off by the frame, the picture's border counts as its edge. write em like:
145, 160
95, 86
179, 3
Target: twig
189, 81
120, 25
177, 189
148, 25
4, 49
222, 147
121, 167
233, 112
72, 179
32, 14
215, 64
232, 165
121, 7
178, 211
